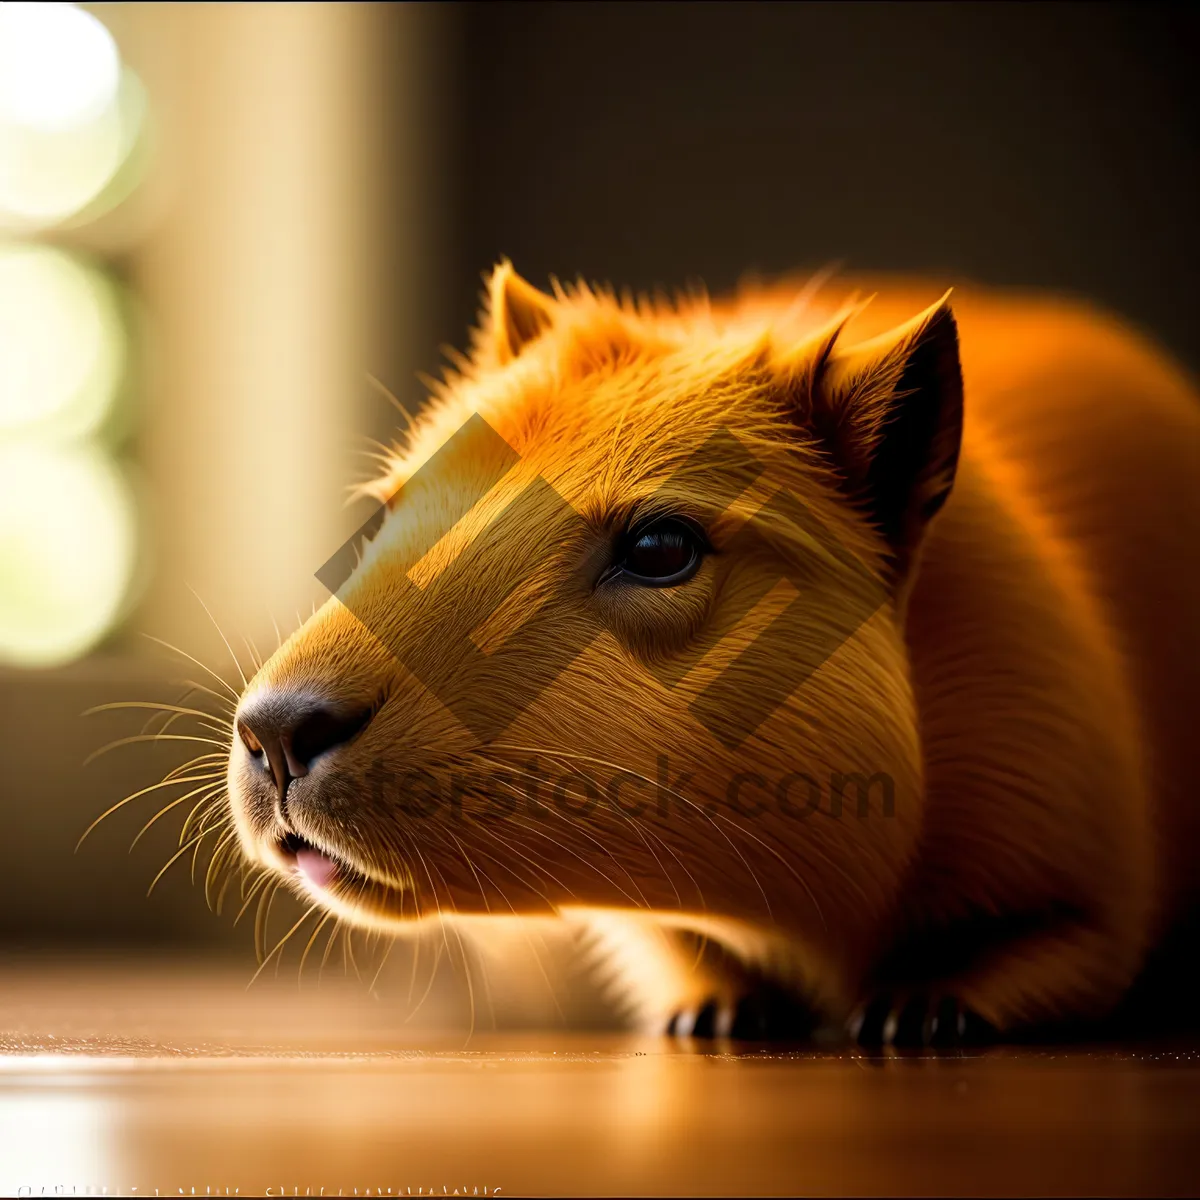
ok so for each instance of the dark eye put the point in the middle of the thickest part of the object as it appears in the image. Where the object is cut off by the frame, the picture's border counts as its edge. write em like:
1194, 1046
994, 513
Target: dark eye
664, 553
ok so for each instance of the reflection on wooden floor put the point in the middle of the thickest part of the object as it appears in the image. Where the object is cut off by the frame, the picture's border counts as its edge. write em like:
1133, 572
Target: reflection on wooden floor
175, 1080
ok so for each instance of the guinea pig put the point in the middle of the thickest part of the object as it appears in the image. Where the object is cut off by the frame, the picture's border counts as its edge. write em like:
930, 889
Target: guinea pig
815, 658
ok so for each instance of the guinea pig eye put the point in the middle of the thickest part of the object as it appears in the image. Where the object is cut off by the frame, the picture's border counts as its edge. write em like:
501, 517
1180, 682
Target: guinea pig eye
665, 553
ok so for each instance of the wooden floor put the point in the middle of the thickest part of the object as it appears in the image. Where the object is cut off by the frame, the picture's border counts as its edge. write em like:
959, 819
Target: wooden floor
186, 1082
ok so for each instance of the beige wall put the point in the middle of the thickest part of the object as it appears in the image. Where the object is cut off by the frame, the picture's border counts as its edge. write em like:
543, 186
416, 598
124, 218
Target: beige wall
265, 285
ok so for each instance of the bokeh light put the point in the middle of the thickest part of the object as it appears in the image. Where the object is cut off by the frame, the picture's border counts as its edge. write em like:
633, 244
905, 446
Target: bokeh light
70, 113
58, 65
68, 531
62, 344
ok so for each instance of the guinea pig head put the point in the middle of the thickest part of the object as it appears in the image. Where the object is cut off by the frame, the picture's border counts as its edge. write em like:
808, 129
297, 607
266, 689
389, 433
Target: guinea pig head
629, 631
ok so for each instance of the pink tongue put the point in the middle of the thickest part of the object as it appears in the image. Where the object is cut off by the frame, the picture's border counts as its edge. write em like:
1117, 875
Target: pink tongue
316, 866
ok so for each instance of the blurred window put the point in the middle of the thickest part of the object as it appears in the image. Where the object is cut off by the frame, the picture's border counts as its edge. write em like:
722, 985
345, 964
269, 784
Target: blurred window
71, 116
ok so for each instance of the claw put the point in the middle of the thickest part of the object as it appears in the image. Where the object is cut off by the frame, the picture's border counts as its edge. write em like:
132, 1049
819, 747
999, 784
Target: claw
919, 1021
752, 1017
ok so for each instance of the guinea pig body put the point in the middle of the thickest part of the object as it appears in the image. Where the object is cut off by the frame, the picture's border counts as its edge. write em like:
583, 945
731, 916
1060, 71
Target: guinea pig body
801, 655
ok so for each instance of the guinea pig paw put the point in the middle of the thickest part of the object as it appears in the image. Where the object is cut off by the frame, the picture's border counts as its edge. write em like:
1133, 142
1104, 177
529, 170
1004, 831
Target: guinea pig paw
754, 1016
919, 1020
710, 1019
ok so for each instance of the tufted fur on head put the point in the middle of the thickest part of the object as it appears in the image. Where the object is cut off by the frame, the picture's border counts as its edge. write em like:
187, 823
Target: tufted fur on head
881, 418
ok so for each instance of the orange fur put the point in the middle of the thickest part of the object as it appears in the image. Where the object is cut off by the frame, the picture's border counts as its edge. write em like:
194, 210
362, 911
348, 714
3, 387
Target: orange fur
1026, 681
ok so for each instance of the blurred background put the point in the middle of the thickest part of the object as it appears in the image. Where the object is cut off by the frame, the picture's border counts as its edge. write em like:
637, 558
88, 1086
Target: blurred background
216, 220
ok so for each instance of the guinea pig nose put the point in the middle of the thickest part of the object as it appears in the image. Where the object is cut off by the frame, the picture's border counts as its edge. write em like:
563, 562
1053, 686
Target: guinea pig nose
290, 731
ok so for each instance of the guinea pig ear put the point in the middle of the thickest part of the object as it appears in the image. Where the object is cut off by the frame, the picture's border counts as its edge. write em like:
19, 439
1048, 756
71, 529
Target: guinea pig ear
518, 311
891, 411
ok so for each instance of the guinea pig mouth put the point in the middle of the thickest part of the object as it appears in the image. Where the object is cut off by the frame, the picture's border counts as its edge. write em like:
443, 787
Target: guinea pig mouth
312, 864
338, 884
